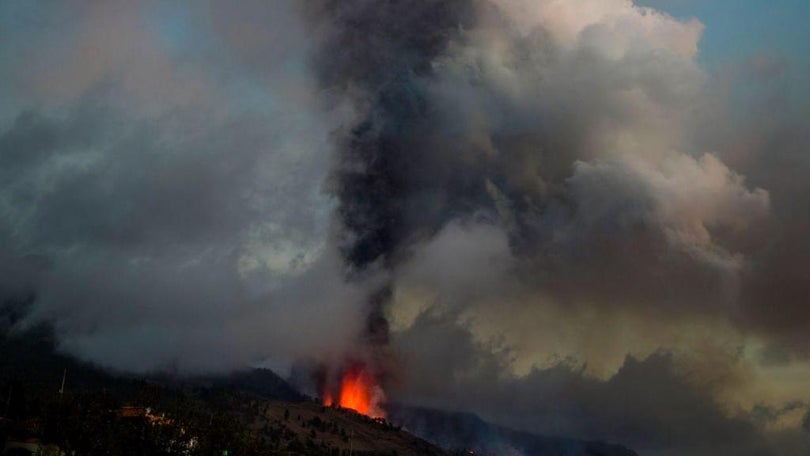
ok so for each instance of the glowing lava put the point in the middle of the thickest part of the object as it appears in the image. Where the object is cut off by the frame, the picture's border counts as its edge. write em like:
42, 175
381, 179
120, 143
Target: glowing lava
355, 391
359, 391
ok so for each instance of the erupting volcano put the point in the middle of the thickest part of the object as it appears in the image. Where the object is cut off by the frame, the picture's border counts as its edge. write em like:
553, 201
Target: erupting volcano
356, 389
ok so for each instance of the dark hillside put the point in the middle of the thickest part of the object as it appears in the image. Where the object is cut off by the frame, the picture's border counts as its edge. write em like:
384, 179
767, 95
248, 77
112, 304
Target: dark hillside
466, 431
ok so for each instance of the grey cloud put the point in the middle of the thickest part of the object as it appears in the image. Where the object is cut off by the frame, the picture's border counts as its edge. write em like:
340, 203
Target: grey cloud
648, 404
162, 231
573, 143
766, 139
497, 123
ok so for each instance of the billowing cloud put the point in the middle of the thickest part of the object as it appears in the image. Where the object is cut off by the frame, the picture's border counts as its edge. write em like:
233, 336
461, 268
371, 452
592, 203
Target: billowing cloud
154, 224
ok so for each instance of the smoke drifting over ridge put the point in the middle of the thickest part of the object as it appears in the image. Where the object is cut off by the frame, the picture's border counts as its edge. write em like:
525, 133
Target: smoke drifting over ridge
517, 204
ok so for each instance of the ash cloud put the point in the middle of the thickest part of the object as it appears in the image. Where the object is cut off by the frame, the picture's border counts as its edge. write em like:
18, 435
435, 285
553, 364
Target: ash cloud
540, 211
493, 127
648, 405
152, 226
545, 163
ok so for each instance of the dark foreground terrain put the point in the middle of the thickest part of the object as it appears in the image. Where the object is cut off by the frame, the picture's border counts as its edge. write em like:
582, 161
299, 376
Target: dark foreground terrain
249, 413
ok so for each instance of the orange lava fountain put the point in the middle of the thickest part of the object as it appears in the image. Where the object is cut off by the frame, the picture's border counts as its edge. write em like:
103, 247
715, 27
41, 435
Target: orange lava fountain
358, 391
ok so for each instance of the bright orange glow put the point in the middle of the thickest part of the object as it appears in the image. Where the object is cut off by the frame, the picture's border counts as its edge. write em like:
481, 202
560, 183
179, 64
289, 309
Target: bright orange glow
355, 392
358, 391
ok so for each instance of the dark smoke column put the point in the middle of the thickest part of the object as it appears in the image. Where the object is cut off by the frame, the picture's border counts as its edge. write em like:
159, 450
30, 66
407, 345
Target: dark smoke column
380, 54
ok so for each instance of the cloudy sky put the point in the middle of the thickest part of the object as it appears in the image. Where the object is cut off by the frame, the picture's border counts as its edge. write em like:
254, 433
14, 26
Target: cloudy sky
584, 218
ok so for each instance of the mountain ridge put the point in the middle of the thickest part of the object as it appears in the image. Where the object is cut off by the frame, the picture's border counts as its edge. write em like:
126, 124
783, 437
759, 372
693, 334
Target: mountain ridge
250, 409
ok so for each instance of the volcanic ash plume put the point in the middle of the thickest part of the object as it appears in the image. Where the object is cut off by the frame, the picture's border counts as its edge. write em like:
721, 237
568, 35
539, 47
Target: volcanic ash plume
377, 57
551, 138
